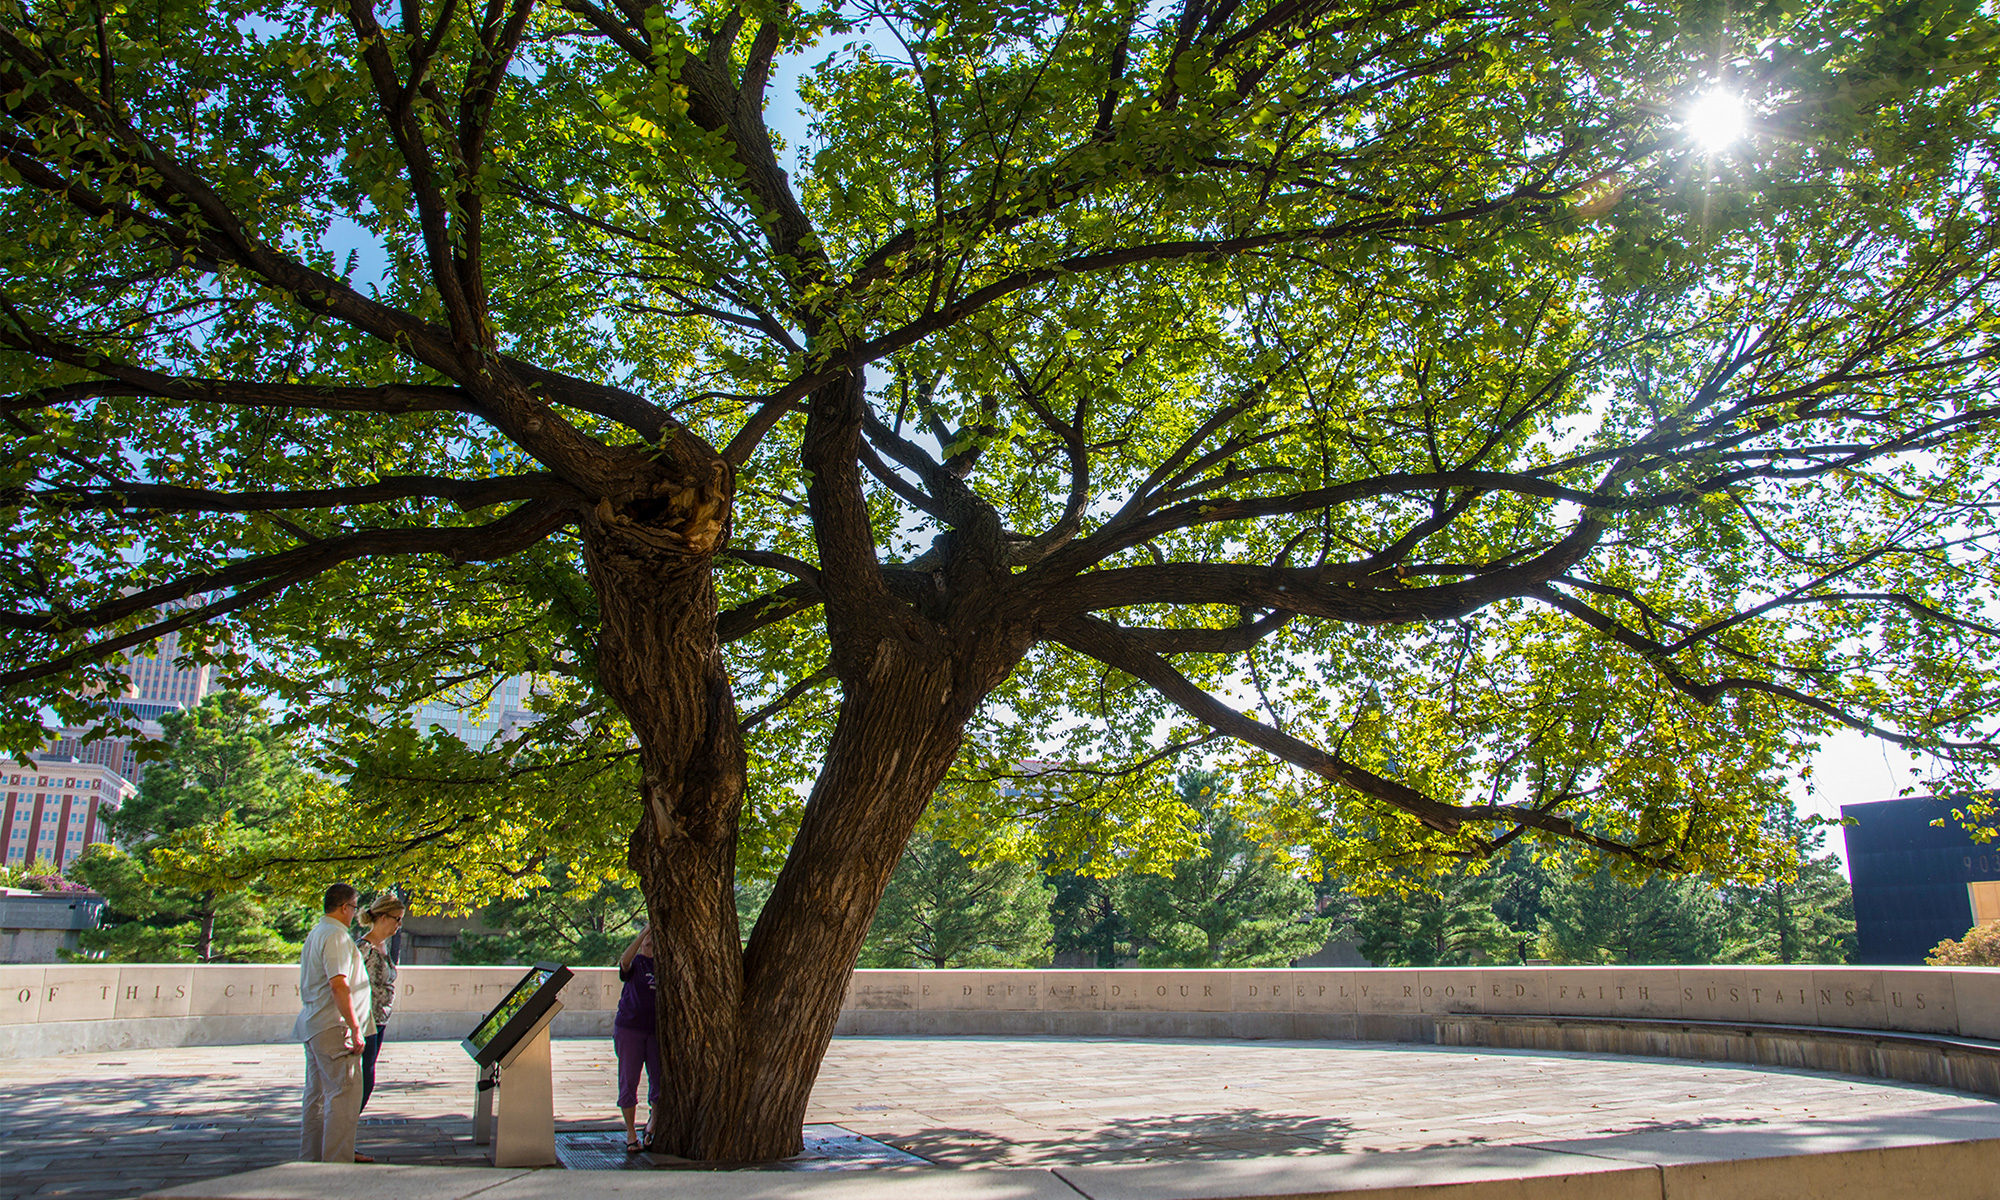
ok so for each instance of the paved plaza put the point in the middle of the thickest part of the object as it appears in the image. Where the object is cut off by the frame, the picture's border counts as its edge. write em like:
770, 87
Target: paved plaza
120, 1123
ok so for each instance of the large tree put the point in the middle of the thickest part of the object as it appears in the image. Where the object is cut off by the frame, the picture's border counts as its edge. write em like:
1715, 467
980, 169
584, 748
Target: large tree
1398, 405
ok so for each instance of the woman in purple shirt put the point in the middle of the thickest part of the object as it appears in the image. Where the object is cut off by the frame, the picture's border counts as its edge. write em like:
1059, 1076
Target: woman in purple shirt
636, 1036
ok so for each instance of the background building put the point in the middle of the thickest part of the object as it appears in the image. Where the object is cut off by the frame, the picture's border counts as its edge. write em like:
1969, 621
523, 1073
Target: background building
158, 687
34, 926
56, 807
476, 718
1916, 884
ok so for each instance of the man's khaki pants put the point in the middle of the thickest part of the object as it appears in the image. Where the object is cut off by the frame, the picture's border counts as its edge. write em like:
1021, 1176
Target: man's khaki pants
333, 1098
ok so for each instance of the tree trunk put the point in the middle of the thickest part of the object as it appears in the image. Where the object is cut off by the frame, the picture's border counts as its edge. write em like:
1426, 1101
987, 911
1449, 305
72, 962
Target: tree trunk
659, 660
743, 1028
895, 738
204, 945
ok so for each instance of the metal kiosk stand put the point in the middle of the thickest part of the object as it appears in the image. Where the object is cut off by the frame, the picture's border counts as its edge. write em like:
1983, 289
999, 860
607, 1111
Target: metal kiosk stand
511, 1045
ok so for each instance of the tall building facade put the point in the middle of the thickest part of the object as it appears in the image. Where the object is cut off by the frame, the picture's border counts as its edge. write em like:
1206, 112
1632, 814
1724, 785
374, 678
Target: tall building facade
157, 687
1916, 883
477, 718
55, 808
156, 678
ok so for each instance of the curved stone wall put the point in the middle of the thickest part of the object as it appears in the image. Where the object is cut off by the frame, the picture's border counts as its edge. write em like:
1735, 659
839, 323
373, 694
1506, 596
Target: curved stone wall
73, 1008
1403, 1005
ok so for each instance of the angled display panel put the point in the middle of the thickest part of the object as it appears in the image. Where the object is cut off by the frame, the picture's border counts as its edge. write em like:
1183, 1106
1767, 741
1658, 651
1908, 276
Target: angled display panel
514, 1016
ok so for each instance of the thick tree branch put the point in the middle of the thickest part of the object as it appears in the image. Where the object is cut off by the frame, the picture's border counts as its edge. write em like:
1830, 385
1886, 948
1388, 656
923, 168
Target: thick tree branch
464, 312
152, 497
748, 617
258, 578
1234, 640
1350, 592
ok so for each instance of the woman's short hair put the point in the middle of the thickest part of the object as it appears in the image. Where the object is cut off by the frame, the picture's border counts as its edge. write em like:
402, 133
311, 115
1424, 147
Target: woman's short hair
388, 904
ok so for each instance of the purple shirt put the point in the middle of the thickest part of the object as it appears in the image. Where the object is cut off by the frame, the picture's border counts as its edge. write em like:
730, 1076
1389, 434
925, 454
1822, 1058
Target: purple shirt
635, 1006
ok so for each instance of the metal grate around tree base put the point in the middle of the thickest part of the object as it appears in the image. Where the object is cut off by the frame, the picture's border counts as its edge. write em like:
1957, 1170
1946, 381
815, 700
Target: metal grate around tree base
598, 1151
827, 1148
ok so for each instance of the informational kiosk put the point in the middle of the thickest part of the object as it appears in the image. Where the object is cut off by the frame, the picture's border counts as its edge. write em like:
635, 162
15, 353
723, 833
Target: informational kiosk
514, 1107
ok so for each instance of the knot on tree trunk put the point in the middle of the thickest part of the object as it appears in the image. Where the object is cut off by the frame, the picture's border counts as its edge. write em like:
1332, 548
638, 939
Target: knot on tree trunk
681, 513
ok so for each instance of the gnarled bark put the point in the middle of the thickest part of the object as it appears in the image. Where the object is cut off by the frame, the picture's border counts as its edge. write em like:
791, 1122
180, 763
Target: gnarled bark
743, 1029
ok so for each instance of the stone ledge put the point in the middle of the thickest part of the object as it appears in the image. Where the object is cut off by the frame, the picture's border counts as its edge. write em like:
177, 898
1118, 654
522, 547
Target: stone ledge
46, 1039
1962, 1064
1925, 1170
141, 1005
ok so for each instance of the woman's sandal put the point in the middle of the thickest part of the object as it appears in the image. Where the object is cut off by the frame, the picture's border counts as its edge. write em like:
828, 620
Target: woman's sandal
631, 1145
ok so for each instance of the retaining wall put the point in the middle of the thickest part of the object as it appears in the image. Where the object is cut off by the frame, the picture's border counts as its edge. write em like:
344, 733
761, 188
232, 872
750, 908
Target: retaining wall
75, 1008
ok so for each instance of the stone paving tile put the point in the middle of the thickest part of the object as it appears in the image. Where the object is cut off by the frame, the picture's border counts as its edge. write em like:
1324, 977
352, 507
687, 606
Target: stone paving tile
99, 1125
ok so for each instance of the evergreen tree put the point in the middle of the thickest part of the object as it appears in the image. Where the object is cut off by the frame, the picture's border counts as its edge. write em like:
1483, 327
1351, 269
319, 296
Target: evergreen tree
1085, 917
1605, 918
1448, 920
1520, 900
1802, 911
1233, 903
943, 910
223, 776
147, 920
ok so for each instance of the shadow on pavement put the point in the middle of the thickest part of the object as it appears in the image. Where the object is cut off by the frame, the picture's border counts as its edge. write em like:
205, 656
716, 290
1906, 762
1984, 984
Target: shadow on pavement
1229, 1133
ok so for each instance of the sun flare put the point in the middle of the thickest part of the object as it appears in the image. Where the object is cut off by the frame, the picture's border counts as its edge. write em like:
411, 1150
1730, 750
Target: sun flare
1716, 120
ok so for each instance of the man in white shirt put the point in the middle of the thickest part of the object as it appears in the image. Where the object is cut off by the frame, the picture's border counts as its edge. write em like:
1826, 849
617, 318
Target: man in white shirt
334, 1019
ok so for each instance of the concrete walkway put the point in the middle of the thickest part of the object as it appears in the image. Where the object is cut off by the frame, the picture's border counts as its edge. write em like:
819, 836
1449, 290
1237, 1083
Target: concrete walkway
118, 1124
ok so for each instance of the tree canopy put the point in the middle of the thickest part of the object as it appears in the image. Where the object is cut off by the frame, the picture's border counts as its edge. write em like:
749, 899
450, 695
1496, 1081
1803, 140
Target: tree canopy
1397, 406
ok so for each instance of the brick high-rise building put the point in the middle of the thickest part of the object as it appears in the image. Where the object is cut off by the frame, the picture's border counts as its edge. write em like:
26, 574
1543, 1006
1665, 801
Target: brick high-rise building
55, 808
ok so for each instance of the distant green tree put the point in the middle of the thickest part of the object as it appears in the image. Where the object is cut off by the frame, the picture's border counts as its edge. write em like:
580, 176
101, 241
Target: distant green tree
1802, 911
1605, 918
1233, 903
578, 921
1443, 921
1086, 920
1520, 900
224, 774
943, 910
146, 921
